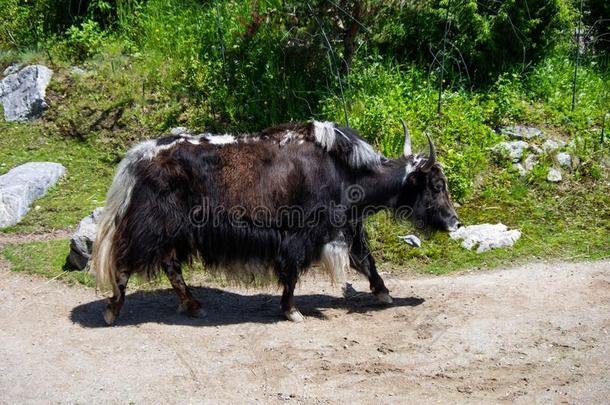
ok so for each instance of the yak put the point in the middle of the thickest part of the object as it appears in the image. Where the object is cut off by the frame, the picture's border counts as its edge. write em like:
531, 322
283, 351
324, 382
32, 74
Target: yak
271, 204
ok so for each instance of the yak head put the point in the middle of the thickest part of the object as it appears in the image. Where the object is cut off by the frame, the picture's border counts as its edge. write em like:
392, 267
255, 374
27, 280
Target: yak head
424, 196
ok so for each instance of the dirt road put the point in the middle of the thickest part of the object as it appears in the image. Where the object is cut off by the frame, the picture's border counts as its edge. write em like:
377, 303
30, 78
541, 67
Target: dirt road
539, 333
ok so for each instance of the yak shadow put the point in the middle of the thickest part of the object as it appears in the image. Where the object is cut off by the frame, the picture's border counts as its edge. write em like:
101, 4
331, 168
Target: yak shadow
224, 307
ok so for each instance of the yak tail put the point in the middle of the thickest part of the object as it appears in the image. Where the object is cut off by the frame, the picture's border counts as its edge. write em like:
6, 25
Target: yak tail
335, 260
104, 256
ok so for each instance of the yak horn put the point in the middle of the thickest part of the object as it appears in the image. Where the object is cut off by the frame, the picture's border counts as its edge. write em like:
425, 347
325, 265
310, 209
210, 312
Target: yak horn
432, 157
407, 147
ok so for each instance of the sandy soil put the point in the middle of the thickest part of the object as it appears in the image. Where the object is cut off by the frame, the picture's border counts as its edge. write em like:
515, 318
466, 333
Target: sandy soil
533, 334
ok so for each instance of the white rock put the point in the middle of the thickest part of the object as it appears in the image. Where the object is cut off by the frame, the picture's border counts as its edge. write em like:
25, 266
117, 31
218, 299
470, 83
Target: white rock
14, 68
520, 168
521, 132
554, 175
81, 243
77, 71
22, 94
530, 162
411, 240
24, 184
180, 131
564, 159
514, 149
551, 145
486, 236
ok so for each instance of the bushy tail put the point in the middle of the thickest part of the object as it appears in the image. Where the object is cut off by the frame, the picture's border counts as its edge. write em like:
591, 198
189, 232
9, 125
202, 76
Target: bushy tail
103, 259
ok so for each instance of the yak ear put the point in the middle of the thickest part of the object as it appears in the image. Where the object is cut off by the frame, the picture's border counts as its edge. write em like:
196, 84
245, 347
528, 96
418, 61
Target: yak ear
407, 147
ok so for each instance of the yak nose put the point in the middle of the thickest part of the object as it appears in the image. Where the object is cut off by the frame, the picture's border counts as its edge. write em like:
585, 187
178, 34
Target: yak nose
454, 224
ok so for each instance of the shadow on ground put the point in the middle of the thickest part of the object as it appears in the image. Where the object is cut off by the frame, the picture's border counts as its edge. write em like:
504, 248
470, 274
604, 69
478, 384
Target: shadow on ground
224, 307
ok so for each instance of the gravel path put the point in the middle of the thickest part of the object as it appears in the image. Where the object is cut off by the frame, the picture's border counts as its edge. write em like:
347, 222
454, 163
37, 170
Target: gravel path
537, 333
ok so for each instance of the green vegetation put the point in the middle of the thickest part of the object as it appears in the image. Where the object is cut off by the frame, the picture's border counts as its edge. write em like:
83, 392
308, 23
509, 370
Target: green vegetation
46, 259
244, 65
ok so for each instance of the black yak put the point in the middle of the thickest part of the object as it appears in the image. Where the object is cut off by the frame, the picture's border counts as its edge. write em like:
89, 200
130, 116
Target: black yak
272, 204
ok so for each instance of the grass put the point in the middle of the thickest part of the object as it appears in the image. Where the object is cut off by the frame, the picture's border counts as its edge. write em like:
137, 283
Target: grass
47, 259
94, 117
88, 174
569, 223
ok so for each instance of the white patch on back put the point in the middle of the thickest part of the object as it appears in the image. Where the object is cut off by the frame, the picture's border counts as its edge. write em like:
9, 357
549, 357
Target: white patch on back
363, 155
220, 139
324, 132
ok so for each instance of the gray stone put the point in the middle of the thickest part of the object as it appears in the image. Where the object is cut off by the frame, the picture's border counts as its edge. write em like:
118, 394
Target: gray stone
551, 145
411, 240
180, 131
554, 175
564, 159
77, 71
513, 149
81, 243
520, 168
22, 94
14, 68
530, 162
486, 236
24, 184
521, 132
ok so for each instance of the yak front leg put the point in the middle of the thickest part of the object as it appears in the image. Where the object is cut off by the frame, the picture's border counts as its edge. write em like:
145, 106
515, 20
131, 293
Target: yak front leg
362, 261
188, 304
115, 303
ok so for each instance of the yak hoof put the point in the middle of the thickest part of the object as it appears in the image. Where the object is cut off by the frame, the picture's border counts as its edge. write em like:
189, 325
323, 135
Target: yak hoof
109, 316
384, 297
294, 315
348, 291
191, 310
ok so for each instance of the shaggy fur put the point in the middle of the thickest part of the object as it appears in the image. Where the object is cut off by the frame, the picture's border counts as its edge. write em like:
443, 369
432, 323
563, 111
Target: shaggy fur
273, 203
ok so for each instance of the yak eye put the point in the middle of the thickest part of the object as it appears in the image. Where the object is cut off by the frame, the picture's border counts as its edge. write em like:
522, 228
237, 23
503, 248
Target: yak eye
438, 187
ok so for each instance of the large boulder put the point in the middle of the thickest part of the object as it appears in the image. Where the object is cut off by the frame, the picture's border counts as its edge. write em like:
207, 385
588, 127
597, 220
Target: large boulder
22, 93
81, 243
24, 184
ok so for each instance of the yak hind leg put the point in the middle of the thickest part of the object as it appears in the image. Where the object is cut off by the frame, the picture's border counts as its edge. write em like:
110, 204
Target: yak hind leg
288, 276
115, 303
188, 304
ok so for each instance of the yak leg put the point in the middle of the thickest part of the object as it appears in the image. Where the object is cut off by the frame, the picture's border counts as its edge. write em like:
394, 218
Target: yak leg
288, 275
188, 304
289, 310
362, 260
115, 303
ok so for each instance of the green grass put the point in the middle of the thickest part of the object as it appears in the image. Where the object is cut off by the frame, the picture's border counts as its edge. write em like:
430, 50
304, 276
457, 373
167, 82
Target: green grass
95, 117
46, 259
569, 222
88, 174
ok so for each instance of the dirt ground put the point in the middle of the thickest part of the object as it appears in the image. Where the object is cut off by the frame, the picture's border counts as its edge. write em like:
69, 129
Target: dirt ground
533, 334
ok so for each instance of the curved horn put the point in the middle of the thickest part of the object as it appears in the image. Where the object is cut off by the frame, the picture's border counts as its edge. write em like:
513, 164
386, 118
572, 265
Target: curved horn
432, 157
407, 147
